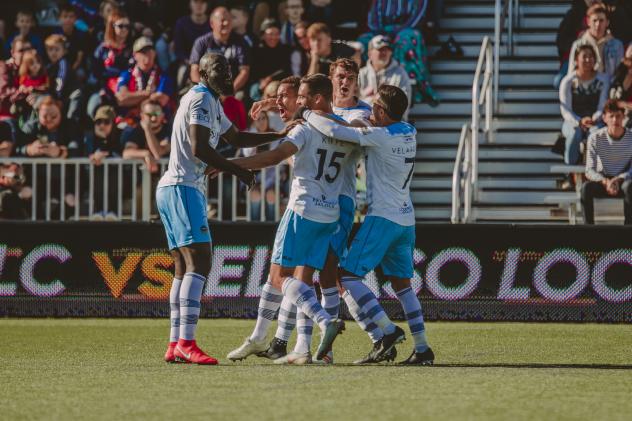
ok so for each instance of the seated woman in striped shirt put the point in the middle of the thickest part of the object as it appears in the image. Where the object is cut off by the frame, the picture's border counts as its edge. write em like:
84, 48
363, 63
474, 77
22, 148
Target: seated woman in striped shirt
609, 163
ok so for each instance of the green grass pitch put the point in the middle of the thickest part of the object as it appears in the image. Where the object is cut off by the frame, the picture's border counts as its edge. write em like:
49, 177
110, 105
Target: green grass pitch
112, 369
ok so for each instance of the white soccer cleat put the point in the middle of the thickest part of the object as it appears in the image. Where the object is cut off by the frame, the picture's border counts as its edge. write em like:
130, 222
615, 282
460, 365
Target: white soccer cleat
249, 347
299, 358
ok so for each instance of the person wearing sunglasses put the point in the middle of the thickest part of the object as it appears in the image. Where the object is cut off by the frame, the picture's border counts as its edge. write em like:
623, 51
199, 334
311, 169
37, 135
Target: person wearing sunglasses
12, 206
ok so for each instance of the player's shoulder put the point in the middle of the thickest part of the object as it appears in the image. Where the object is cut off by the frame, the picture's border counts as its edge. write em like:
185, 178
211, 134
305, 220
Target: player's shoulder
363, 106
401, 128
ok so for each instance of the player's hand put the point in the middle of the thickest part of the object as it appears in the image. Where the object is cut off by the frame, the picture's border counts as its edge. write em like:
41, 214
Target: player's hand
248, 178
290, 125
260, 106
212, 172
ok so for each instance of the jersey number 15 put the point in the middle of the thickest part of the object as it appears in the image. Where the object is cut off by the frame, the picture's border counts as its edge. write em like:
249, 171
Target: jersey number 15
333, 163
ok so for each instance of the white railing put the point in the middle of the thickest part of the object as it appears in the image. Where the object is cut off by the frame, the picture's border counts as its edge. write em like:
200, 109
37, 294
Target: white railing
506, 18
465, 173
76, 188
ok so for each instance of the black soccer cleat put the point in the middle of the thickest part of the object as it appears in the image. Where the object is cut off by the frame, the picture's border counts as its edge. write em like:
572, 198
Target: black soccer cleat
370, 358
277, 349
388, 342
420, 358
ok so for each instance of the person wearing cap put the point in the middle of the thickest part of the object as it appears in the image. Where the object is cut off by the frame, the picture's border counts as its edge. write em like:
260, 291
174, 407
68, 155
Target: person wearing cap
144, 81
381, 69
271, 59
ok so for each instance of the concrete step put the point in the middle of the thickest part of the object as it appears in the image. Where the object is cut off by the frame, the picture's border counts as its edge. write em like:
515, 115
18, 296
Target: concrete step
465, 94
487, 22
526, 9
487, 168
473, 50
465, 108
492, 153
433, 213
552, 123
445, 182
446, 81
521, 38
469, 65
551, 197
534, 138
518, 213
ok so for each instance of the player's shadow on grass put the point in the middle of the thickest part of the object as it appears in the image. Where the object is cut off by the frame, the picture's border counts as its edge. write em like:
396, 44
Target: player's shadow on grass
540, 365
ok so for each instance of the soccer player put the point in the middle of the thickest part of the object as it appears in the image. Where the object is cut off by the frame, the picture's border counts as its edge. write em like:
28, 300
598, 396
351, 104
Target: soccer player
303, 236
180, 197
387, 236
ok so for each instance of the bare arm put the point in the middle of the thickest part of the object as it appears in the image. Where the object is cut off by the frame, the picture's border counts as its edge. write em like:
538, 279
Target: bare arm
314, 64
249, 140
241, 78
5, 148
195, 73
157, 147
203, 151
268, 158
78, 60
125, 98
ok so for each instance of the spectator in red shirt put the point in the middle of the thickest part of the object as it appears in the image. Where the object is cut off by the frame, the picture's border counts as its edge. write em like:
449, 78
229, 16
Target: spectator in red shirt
9, 76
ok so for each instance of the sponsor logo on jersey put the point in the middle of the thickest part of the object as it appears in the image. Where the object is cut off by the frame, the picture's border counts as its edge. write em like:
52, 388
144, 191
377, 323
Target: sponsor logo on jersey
324, 203
201, 115
406, 208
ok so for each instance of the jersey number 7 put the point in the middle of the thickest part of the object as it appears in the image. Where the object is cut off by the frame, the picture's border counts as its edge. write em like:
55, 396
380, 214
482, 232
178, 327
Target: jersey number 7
410, 173
333, 163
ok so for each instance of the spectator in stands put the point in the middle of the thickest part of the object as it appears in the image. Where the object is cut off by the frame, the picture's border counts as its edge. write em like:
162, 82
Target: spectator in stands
240, 24
25, 22
300, 57
187, 29
270, 60
324, 51
111, 58
320, 11
294, 10
235, 110
150, 141
583, 94
75, 39
32, 83
144, 81
49, 135
609, 164
63, 82
9, 74
609, 49
103, 142
7, 136
12, 179
223, 41
621, 88
381, 69
106, 8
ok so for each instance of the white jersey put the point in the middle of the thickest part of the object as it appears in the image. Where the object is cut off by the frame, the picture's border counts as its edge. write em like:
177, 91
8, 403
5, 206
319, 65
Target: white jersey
198, 106
360, 112
317, 177
390, 164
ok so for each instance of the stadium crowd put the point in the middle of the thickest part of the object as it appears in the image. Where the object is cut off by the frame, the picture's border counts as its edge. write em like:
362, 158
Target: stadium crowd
595, 91
102, 79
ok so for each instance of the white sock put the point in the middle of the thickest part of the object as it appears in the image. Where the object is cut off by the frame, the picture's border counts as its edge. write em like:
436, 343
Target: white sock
368, 303
304, 298
304, 328
330, 300
363, 321
269, 304
412, 309
286, 320
190, 295
174, 307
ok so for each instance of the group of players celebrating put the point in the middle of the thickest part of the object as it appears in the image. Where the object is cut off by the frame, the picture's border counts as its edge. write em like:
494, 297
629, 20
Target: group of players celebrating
327, 132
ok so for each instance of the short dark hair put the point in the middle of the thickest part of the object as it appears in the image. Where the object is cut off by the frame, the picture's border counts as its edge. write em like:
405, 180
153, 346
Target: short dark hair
316, 29
393, 100
585, 47
293, 81
67, 8
243, 9
319, 84
612, 106
25, 12
346, 63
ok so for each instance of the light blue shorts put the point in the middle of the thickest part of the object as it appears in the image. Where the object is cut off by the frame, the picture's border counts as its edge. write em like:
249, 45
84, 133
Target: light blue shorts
340, 240
301, 242
183, 214
380, 241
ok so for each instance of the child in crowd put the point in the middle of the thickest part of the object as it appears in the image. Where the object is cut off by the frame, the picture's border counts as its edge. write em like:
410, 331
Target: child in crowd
25, 22
74, 38
63, 83
32, 75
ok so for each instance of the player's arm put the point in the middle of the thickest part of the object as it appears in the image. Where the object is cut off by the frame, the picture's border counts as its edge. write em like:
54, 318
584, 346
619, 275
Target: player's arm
334, 128
261, 106
268, 158
199, 136
251, 140
241, 78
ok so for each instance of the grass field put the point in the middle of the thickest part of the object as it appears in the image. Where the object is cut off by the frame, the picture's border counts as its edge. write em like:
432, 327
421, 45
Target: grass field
112, 369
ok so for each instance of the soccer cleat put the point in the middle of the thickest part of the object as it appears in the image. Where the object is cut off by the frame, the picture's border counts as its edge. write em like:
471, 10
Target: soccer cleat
276, 350
388, 342
249, 347
420, 358
334, 328
188, 352
370, 358
169, 357
299, 358
327, 359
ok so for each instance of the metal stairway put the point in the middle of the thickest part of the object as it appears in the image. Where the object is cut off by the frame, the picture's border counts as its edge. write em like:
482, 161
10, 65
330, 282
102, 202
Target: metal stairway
515, 179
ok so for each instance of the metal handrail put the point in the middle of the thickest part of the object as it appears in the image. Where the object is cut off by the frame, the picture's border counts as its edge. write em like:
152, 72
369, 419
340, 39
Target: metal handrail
461, 166
506, 13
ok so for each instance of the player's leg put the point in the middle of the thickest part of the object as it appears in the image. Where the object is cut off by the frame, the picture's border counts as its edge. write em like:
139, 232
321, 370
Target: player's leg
174, 304
367, 250
398, 267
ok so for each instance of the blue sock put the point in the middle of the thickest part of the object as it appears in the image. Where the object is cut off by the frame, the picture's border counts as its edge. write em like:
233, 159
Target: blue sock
414, 316
363, 321
190, 295
368, 303
174, 307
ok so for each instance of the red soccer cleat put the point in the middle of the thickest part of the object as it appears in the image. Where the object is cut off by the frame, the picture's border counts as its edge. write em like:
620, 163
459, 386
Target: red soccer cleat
169, 355
188, 352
